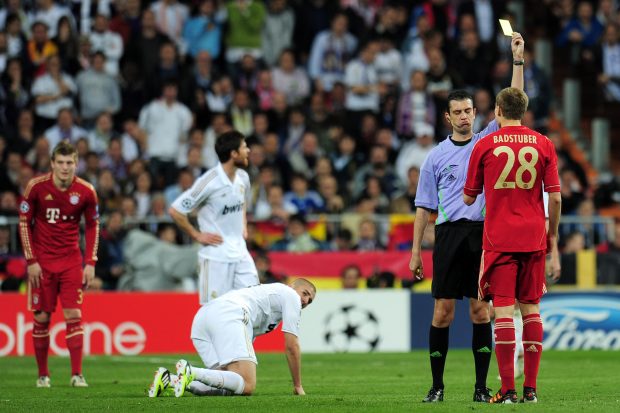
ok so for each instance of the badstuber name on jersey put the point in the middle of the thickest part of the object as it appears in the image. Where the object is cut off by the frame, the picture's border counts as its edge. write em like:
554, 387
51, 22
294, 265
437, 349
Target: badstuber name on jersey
515, 139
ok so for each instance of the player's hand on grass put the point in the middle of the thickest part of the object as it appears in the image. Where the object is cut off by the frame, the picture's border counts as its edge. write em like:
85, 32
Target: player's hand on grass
209, 238
34, 275
299, 391
517, 45
88, 276
415, 265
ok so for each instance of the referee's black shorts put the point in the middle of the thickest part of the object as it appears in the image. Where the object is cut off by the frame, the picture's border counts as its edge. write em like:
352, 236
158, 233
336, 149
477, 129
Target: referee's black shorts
456, 259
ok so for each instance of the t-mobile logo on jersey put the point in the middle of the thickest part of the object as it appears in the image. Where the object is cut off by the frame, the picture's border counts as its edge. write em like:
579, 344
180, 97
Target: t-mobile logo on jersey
231, 209
52, 214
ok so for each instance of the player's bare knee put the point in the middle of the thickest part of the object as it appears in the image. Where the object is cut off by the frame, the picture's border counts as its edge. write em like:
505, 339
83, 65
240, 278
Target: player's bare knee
41, 317
72, 313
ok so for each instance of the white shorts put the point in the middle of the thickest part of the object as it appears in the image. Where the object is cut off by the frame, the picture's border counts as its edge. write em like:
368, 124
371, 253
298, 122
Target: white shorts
218, 277
222, 334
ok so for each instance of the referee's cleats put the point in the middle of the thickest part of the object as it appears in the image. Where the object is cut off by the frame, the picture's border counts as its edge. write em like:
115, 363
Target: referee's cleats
482, 395
185, 375
434, 395
161, 381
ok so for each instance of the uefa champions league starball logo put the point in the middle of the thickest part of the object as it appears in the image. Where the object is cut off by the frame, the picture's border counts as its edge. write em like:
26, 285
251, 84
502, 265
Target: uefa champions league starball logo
351, 328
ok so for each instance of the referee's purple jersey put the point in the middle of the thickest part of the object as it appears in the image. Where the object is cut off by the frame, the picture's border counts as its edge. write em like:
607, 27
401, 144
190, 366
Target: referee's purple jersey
442, 179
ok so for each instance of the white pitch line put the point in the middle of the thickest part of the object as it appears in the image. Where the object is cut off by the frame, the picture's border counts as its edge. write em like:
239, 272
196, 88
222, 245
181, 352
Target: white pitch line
128, 359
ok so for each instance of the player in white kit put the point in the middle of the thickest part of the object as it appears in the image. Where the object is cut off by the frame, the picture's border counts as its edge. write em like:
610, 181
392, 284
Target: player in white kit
220, 195
223, 331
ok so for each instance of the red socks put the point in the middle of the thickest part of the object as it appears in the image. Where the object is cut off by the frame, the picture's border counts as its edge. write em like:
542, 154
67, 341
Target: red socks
41, 341
532, 346
504, 351
75, 343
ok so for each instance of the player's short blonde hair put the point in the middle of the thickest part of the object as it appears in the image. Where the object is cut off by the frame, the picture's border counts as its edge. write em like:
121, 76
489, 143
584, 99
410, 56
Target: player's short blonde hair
513, 103
64, 148
302, 282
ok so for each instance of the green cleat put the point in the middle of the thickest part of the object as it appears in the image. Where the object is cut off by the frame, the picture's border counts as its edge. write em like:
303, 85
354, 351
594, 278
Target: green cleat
160, 382
185, 377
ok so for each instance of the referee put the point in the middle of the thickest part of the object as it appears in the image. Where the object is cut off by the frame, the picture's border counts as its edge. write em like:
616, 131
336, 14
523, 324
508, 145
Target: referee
458, 235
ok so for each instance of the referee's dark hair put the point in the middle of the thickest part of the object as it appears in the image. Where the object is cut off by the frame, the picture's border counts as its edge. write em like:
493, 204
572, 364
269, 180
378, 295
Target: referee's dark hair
226, 143
459, 94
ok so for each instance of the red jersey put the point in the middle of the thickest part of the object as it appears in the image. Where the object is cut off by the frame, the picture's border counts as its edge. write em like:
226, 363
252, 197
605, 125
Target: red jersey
49, 222
512, 165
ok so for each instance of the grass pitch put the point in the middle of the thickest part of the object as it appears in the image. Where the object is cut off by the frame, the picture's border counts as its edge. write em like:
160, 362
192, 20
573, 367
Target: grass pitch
568, 382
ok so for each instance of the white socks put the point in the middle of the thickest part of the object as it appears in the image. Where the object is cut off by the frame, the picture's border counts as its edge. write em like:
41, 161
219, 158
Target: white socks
219, 379
198, 388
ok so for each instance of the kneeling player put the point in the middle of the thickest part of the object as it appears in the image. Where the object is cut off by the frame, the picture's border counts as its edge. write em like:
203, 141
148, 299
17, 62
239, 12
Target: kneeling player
223, 331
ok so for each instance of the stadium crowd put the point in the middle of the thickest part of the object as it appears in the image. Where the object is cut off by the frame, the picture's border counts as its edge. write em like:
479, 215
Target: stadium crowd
340, 102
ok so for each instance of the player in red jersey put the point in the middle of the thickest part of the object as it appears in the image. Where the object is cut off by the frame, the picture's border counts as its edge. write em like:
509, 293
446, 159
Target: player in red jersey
49, 221
512, 165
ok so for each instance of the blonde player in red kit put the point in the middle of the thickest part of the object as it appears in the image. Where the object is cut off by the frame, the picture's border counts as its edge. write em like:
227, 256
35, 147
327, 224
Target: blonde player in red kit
49, 221
513, 165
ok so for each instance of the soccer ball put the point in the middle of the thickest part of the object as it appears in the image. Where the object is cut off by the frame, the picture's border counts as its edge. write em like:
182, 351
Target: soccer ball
351, 328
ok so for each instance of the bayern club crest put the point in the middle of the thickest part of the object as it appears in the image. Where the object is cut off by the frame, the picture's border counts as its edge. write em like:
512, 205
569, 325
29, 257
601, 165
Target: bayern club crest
74, 198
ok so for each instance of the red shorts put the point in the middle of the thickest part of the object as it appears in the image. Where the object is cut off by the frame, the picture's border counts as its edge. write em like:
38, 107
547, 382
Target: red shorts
66, 284
519, 275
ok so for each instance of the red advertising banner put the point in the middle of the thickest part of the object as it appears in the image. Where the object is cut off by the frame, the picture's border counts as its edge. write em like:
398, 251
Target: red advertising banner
330, 264
116, 323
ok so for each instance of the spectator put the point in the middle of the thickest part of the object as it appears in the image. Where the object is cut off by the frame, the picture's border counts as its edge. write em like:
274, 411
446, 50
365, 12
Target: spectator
362, 85
98, 91
346, 162
383, 279
185, 179
166, 123
333, 200
473, 61
107, 42
389, 65
100, 137
297, 239
65, 129
263, 265
310, 19
609, 63
275, 208
113, 158
405, 203
294, 131
241, 113
170, 17
331, 51
486, 13
290, 79
22, 139
10, 173
126, 22
320, 121
537, 87
245, 20
441, 79
306, 201
39, 157
350, 277
368, 239
594, 233
343, 240
68, 45
416, 106
50, 13
203, 33
12, 7
142, 194
583, 30
485, 109
144, 47
110, 266
52, 92
379, 167
15, 37
260, 126
264, 90
108, 192
571, 191
40, 48
304, 159
277, 30
167, 69
133, 140
14, 90
372, 200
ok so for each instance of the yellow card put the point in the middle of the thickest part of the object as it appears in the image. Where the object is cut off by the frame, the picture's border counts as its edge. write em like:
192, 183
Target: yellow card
506, 28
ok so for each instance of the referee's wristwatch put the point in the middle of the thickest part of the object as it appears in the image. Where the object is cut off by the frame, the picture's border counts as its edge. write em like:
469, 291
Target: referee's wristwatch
518, 62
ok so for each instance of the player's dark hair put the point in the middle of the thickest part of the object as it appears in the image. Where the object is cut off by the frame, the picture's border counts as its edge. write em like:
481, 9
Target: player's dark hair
512, 102
226, 143
64, 148
459, 95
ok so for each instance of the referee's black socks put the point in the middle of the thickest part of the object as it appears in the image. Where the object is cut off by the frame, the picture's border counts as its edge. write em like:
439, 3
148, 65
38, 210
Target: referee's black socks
482, 346
438, 339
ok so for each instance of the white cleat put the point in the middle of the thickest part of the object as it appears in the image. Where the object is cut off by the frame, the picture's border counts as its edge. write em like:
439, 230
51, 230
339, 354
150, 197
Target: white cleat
44, 382
160, 382
77, 380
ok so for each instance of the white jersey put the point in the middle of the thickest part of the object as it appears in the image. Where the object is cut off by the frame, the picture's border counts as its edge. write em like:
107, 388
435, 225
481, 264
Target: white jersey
222, 205
268, 305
